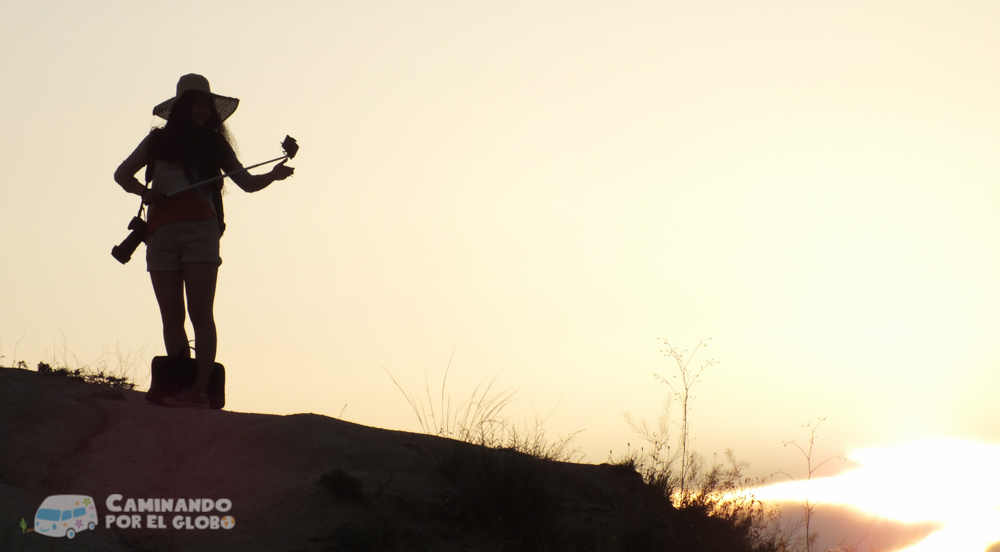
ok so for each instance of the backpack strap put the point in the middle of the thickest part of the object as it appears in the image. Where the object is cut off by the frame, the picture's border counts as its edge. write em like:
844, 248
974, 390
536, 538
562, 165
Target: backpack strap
149, 178
219, 212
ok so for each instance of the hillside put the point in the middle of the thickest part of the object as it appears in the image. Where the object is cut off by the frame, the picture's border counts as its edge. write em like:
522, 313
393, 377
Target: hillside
303, 482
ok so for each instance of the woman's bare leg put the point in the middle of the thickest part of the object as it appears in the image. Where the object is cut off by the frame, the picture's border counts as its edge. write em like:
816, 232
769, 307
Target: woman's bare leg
169, 290
199, 281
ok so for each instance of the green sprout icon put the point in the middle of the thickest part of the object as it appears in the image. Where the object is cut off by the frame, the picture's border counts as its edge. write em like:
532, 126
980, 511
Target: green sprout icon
23, 525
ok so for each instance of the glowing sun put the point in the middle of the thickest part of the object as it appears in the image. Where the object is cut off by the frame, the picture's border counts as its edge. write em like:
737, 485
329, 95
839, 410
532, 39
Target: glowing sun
953, 483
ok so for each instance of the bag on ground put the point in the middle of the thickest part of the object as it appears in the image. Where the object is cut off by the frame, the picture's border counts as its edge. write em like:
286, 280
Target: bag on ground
172, 374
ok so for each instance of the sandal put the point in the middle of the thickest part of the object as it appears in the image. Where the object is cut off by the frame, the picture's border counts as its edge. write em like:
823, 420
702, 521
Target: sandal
188, 398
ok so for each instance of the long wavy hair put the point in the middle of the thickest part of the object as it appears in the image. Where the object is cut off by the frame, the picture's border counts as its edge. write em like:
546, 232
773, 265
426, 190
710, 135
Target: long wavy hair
201, 151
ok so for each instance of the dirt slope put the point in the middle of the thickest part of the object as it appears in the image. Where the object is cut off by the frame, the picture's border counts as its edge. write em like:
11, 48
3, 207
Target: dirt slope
64, 437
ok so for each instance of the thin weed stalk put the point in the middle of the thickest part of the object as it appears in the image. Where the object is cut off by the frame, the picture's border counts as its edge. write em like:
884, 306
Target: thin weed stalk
807, 453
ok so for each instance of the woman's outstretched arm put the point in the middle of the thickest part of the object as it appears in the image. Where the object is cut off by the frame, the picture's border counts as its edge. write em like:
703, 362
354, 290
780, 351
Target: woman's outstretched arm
256, 182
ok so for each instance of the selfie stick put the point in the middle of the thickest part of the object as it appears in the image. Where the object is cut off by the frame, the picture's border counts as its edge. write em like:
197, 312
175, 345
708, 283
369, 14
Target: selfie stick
289, 146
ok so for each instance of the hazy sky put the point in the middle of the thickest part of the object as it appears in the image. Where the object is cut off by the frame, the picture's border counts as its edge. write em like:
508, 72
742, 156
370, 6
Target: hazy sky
543, 188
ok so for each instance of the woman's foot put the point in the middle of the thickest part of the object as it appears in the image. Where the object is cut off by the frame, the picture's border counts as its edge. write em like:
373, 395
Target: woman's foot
188, 398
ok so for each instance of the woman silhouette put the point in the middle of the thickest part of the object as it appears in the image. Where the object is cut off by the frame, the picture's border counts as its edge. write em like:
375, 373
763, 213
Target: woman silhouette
183, 231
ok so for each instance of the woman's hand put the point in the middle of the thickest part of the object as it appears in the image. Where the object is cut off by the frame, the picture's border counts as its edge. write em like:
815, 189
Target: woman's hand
281, 172
153, 197
257, 182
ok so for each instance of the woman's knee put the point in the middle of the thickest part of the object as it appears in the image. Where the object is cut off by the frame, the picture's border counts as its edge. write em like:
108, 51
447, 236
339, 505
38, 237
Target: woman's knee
169, 290
172, 315
199, 282
202, 317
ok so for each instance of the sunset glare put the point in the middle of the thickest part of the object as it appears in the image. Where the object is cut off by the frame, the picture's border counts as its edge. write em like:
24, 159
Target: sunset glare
914, 483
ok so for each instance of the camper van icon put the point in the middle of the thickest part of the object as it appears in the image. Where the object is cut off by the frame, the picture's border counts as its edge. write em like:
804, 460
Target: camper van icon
65, 515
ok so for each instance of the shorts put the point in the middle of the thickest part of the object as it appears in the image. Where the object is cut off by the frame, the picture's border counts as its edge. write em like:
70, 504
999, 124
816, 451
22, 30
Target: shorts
176, 243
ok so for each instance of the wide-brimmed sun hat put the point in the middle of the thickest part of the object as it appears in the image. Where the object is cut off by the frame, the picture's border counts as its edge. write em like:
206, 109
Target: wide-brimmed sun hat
224, 106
